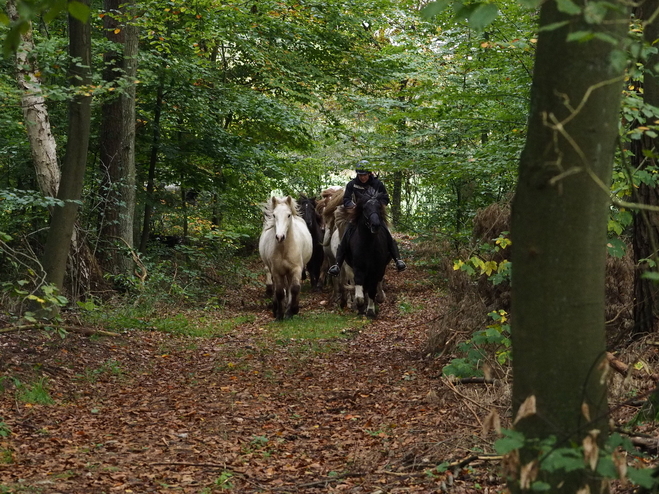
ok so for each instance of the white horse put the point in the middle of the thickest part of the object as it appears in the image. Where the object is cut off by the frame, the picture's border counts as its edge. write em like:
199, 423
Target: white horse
285, 247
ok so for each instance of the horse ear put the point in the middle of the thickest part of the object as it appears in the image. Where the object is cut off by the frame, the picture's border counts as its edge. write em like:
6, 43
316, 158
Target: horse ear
273, 200
289, 200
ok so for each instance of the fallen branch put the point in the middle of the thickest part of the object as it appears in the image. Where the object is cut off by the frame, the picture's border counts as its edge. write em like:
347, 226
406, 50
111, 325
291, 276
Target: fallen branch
325, 481
624, 369
187, 464
648, 443
70, 329
478, 380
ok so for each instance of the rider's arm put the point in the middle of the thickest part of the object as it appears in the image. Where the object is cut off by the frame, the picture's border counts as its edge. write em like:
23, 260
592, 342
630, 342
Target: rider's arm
384, 198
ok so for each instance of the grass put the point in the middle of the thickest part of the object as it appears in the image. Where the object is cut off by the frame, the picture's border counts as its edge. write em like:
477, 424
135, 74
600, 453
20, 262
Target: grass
108, 368
6, 456
146, 318
4, 429
312, 326
406, 307
37, 393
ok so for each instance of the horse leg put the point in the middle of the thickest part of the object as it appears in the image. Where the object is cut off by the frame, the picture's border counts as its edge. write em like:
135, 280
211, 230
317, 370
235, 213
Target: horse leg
279, 303
381, 297
359, 297
370, 300
268, 283
294, 294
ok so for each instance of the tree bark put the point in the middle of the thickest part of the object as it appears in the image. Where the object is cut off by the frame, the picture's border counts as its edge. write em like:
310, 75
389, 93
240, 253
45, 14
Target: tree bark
646, 223
35, 113
153, 161
559, 219
117, 154
75, 159
396, 197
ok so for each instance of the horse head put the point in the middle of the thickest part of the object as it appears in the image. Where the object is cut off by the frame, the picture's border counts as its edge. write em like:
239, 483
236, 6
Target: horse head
370, 211
283, 210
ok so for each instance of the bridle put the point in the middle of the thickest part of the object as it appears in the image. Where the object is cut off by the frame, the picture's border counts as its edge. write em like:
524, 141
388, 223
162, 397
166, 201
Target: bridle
367, 215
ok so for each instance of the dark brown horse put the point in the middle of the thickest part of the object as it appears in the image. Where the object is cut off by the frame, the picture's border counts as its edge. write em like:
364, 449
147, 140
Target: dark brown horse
307, 207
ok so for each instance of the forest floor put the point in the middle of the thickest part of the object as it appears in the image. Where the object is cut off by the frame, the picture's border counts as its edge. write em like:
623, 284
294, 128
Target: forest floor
249, 410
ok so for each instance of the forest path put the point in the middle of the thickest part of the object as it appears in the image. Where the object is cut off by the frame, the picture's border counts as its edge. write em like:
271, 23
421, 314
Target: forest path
247, 412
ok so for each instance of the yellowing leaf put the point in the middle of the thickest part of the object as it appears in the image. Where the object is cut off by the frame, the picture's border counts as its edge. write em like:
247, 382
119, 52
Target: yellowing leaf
117, 31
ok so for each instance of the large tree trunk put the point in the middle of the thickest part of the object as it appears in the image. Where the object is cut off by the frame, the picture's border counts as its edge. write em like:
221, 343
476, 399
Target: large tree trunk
559, 222
646, 223
43, 147
117, 156
75, 159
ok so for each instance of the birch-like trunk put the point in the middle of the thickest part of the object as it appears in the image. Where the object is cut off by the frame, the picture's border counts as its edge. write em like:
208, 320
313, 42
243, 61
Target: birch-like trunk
35, 113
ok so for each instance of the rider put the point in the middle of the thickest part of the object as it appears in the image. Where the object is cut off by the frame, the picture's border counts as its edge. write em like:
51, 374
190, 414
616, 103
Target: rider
353, 191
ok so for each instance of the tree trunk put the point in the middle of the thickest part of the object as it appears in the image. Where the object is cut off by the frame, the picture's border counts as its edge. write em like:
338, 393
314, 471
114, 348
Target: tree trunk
150, 185
117, 155
646, 223
396, 198
35, 113
559, 222
75, 159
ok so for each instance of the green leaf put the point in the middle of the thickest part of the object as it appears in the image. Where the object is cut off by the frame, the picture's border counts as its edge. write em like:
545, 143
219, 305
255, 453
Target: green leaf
483, 16
434, 8
511, 441
553, 26
532, 4
651, 275
616, 248
581, 36
568, 7
55, 9
4, 19
79, 10
642, 477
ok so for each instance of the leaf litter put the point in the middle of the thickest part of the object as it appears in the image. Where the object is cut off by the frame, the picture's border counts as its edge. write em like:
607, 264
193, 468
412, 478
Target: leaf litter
152, 412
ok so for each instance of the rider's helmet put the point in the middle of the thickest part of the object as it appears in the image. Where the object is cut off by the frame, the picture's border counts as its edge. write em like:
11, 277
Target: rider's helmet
362, 168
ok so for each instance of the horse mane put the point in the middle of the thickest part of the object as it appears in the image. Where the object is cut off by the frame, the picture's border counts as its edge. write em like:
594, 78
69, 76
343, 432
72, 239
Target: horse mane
333, 202
356, 212
268, 210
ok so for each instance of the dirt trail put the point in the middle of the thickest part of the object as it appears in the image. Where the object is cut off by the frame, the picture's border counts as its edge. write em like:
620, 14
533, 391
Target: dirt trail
150, 412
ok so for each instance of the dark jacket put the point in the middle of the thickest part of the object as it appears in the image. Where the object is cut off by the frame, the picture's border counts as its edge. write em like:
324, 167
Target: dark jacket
356, 188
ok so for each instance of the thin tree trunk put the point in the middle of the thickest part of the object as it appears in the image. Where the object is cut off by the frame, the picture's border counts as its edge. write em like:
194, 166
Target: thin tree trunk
559, 217
153, 161
75, 159
396, 197
646, 223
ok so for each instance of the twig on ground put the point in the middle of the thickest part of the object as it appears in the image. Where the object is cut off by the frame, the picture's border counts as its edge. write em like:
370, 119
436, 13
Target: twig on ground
325, 481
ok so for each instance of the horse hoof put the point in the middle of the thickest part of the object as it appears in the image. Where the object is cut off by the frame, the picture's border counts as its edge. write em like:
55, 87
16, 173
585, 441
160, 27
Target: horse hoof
359, 301
370, 312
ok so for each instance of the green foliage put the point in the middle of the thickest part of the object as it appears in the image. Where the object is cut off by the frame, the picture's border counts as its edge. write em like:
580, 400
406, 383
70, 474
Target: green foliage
492, 341
4, 428
108, 368
223, 482
35, 393
552, 457
476, 265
